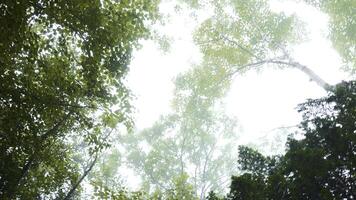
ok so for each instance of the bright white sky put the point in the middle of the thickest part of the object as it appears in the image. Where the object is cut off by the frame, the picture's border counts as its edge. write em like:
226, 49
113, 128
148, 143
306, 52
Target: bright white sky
261, 101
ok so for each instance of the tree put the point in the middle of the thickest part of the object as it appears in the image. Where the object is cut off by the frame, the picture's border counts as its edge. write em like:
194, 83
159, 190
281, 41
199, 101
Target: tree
237, 36
247, 186
327, 152
320, 166
242, 35
181, 190
213, 196
62, 69
197, 139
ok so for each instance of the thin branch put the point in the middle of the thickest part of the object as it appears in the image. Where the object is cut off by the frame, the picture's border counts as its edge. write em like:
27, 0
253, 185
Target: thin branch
283, 127
255, 64
155, 181
207, 159
240, 46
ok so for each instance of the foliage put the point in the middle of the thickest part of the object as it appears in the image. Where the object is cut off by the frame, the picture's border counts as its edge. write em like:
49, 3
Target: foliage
238, 36
212, 196
342, 25
253, 161
104, 177
62, 66
242, 35
197, 139
320, 166
242, 32
247, 186
101, 191
62, 69
180, 189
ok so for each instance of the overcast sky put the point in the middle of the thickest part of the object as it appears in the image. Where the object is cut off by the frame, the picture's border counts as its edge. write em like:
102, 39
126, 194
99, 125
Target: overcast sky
260, 101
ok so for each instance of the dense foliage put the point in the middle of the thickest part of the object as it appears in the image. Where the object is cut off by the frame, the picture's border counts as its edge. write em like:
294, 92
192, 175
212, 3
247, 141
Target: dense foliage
322, 165
60, 63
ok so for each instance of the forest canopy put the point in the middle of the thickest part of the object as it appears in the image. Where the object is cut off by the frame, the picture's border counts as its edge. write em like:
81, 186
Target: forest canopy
62, 70
67, 126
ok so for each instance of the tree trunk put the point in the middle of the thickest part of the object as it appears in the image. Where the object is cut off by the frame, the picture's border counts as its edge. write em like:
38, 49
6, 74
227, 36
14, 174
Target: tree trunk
309, 72
312, 75
76, 185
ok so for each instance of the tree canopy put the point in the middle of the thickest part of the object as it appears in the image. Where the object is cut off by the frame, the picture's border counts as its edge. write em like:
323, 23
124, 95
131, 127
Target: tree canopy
62, 69
243, 35
63, 95
237, 36
197, 140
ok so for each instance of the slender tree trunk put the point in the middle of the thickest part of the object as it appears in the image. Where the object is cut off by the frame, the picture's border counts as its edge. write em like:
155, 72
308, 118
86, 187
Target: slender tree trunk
312, 75
76, 185
309, 72
306, 70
